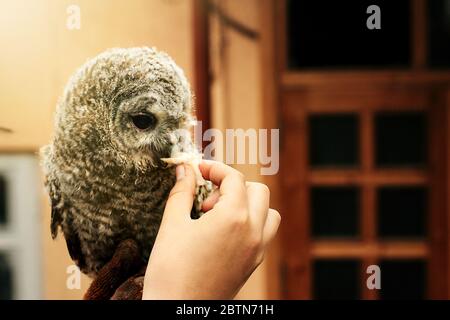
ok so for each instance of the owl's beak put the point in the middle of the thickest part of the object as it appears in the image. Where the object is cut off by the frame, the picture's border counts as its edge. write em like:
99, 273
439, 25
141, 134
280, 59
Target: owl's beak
158, 152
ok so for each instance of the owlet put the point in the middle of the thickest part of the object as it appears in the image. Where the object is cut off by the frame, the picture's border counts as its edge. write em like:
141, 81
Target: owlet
120, 114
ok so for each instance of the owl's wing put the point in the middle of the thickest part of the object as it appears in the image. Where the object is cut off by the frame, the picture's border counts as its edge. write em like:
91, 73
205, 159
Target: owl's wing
73, 243
57, 207
61, 212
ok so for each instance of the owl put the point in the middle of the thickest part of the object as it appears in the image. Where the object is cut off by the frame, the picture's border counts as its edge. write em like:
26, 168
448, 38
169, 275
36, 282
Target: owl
121, 114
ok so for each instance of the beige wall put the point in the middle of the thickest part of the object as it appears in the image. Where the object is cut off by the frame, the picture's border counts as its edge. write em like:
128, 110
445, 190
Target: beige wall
39, 53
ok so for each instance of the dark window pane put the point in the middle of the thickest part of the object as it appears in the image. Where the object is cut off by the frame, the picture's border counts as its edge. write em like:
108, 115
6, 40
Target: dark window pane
401, 139
439, 33
403, 279
333, 140
5, 278
3, 198
336, 279
402, 211
335, 211
334, 34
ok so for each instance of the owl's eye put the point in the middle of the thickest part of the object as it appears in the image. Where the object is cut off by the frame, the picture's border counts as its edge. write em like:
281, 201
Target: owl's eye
143, 121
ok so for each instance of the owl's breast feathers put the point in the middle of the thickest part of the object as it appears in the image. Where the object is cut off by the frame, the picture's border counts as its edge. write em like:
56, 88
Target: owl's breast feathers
97, 207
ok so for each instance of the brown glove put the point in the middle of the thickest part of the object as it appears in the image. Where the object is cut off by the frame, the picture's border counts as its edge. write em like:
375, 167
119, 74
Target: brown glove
122, 277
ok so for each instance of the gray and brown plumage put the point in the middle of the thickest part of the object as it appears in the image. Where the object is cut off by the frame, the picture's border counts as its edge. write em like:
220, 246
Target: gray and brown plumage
120, 113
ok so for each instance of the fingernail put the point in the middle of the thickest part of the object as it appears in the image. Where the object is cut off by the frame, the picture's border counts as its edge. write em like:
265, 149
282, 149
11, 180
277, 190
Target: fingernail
180, 173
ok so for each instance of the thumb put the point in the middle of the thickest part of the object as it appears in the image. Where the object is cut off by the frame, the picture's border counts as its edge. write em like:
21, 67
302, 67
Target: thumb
181, 197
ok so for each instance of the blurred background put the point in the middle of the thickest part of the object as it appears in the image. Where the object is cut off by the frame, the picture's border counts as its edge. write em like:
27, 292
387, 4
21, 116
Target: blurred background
364, 128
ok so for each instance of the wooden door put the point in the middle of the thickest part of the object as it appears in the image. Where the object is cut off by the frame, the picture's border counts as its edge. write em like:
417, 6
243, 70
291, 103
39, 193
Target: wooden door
364, 172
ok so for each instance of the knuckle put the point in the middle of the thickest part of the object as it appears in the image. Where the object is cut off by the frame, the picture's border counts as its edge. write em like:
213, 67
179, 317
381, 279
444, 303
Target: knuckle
260, 188
176, 192
264, 188
240, 176
239, 220
260, 258
180, 190
173, 192
276, 215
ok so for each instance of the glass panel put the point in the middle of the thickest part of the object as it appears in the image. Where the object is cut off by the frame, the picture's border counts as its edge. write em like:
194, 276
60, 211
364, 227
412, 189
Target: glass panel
335, 34
333, 140
335, 211
5, 278
439, 33
3, 198
400, 139
401, 211
336, 279
403, 279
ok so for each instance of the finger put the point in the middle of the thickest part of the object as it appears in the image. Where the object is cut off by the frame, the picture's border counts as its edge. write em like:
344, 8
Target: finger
181, 197
271, 226
211, 200
258, 203
230, 181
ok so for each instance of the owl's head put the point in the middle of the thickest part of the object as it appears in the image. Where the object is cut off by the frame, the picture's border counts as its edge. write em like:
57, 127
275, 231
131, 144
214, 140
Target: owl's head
135, 102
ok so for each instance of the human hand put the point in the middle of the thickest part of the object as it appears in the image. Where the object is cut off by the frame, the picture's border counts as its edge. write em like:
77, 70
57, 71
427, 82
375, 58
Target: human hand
213, 256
